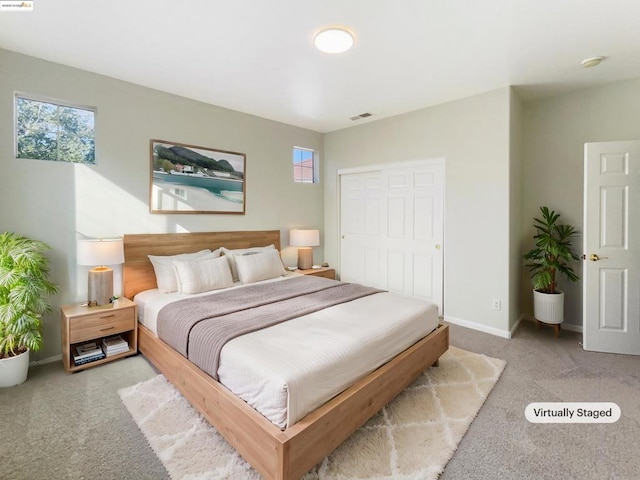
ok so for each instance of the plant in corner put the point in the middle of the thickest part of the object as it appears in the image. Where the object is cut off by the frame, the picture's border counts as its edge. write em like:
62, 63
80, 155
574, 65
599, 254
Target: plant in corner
551, 255
24, 288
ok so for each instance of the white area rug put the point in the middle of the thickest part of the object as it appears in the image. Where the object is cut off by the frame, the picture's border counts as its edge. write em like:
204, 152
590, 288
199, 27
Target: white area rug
412, 438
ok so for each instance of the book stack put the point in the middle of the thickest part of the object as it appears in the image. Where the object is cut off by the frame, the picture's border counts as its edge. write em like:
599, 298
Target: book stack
114, 344
88, 352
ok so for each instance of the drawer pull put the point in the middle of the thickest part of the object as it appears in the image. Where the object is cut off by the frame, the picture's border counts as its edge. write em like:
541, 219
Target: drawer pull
108, 316
108, 328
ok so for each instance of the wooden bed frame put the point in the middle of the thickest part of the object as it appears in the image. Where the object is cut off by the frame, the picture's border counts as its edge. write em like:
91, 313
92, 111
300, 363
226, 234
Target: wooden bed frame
274, 453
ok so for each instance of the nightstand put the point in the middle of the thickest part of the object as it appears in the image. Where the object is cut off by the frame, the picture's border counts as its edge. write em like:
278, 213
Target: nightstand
81, 324
325, 272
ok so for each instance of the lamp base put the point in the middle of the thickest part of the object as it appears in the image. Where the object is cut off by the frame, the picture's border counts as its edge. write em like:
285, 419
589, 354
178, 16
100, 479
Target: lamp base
100, 288
305, 258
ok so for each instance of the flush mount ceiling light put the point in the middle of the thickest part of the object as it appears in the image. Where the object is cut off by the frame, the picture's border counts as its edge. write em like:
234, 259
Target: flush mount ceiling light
333, 40
592, 62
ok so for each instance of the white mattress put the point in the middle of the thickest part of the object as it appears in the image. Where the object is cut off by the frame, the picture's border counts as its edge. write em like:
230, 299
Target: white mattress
288, 370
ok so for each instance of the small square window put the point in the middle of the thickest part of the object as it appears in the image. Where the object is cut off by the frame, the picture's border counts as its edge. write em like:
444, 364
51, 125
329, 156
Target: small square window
53, 131
304, 165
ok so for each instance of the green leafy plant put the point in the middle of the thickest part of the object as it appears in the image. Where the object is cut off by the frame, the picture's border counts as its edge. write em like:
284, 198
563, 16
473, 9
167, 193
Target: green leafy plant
553, 252
24, 286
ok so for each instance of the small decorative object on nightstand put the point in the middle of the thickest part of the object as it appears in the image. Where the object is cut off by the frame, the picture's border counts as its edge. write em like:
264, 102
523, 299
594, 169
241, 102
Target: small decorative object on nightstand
83, 326
320, 272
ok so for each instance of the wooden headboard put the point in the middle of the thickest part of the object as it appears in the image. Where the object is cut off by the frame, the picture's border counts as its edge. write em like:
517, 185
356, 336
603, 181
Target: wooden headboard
138, 271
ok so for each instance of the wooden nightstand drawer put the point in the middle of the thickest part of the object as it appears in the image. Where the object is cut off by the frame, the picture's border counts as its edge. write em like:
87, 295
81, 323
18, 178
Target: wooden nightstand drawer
81, 324
325, 272
101, 325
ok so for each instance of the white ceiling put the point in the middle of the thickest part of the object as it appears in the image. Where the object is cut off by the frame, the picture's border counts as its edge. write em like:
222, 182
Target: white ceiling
256, 56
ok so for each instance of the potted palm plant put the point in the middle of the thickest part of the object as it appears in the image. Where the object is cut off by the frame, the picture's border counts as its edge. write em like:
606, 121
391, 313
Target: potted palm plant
551, 255
24, 288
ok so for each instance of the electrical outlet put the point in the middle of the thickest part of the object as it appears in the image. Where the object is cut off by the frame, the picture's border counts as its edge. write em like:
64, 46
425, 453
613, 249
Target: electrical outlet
496, 304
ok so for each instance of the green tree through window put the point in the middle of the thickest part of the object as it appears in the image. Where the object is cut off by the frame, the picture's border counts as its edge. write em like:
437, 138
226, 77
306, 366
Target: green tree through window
50, 131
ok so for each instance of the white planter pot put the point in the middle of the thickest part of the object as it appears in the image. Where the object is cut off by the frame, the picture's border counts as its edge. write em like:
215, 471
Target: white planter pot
13, 370
548, 307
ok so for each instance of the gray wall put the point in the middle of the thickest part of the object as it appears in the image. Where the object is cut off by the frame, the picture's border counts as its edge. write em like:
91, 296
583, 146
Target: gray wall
472, 135
55, 201
515, 210
504, 158
555, 131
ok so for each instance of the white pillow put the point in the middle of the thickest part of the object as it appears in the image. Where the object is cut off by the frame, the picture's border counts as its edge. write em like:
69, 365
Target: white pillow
202, 274
231, 254
165, 271
255, 266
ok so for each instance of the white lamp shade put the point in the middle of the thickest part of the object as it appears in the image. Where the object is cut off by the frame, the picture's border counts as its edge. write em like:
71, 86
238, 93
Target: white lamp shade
304, 238
107, 251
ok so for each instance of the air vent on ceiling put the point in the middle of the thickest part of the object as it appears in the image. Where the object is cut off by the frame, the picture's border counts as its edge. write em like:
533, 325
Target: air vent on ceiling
361, 116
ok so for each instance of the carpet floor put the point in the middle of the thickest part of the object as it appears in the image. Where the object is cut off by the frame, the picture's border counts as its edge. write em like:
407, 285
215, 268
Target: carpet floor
411, 438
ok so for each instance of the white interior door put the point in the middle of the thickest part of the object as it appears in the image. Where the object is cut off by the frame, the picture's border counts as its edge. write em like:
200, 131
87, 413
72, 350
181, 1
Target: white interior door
392, 228
611, 296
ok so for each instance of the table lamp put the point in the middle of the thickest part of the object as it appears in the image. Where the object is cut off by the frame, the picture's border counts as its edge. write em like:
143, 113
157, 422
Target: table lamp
100, 252
305, 239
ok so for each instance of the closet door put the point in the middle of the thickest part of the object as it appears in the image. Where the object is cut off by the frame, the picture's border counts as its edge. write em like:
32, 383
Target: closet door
391, 228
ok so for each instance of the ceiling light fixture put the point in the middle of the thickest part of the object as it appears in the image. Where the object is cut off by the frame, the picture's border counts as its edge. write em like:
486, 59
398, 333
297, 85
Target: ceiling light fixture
333, 40
592, 62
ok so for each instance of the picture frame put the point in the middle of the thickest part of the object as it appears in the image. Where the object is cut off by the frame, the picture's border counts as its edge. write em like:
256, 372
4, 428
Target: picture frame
191, 179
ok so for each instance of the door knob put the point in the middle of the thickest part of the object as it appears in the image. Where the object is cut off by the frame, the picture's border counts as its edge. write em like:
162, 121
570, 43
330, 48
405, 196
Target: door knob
438, 246
594, 258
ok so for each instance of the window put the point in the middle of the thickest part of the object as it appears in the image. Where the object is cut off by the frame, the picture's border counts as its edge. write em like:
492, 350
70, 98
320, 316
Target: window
53, 131
304, 165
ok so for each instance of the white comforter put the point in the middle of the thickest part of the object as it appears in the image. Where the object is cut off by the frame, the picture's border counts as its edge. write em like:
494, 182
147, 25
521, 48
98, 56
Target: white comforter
290, 369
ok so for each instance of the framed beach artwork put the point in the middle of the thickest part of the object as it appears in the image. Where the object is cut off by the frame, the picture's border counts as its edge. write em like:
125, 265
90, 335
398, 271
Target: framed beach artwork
192, 179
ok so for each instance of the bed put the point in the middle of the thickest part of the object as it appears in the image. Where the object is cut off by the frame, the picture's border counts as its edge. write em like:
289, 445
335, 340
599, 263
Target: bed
274, 452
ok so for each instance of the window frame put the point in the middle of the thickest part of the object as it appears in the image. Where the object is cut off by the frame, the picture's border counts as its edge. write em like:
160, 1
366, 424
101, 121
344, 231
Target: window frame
314, 167
58, 103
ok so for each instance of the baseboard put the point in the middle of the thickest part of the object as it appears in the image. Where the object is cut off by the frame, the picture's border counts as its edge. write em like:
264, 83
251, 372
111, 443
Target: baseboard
480, 327
571, 327
565, 326
515, 326
55, 358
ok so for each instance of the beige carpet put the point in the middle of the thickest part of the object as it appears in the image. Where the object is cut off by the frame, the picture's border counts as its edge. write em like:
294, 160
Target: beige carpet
412, 438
